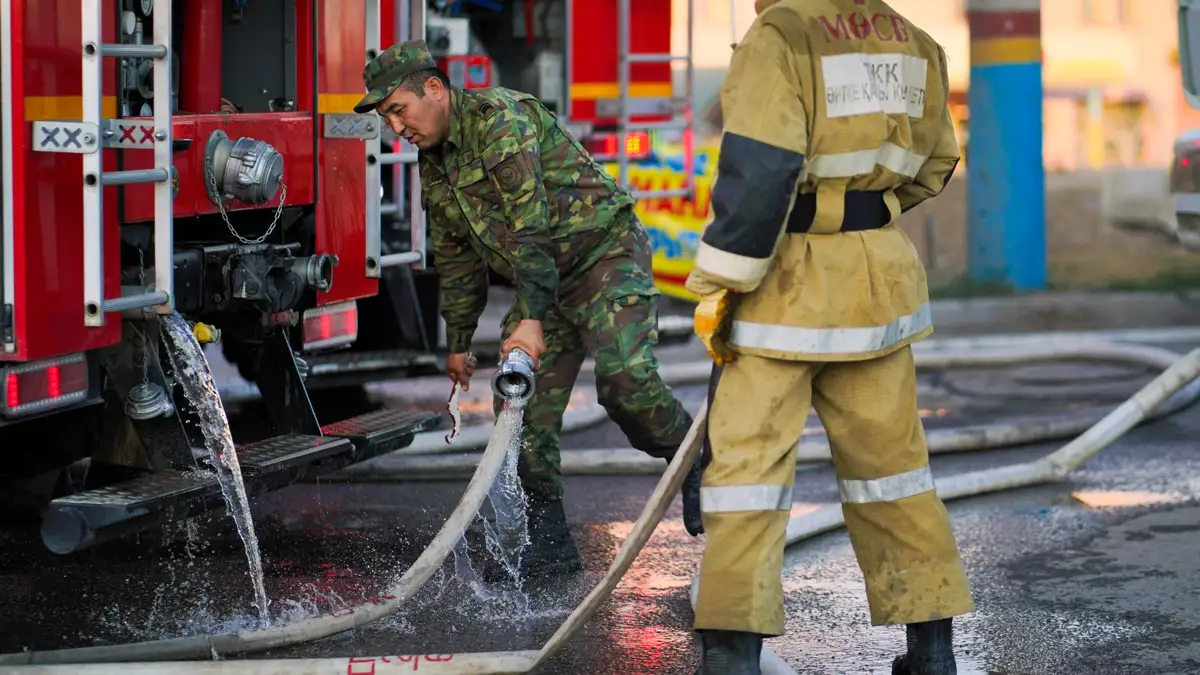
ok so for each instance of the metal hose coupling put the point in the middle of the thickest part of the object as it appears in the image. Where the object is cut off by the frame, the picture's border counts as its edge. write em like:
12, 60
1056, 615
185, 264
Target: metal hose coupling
316, 270
514, 379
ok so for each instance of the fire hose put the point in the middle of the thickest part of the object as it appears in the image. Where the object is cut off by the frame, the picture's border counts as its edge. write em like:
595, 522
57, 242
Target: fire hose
1169, 392
416, 463
433, 442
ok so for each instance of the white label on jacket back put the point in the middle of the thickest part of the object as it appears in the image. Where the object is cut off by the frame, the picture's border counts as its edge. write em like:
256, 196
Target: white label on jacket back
861, 84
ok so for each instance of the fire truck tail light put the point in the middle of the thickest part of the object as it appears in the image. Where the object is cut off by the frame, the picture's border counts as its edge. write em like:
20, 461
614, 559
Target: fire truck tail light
44, 385
637, 145
330, 326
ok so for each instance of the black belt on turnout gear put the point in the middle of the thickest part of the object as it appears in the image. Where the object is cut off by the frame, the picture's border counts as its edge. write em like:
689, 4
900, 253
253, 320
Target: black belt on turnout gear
864, 210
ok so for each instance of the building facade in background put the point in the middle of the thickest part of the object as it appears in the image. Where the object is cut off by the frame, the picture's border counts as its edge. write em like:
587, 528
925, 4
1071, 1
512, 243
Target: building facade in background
1112, 94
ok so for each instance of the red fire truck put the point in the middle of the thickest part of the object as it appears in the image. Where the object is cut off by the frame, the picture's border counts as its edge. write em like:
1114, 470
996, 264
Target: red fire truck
201, 158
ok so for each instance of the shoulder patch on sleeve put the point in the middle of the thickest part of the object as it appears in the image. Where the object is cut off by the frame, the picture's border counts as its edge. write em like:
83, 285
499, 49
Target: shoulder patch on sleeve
509, 174
486, 108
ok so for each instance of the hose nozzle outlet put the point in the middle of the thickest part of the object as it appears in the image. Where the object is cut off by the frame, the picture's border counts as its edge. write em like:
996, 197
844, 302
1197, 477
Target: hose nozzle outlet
514, 379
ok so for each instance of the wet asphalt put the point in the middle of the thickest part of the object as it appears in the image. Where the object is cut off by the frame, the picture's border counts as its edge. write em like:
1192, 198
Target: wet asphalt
1096, 575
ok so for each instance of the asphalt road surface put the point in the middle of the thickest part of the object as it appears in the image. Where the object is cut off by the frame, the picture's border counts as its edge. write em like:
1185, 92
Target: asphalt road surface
1095, 575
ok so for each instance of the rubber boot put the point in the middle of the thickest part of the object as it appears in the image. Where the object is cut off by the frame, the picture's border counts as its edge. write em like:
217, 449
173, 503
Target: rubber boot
727, 652
930, 650
692, 522
551, 551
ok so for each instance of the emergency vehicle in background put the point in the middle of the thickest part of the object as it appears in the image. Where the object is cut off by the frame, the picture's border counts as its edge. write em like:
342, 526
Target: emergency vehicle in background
1184, 177
199, 161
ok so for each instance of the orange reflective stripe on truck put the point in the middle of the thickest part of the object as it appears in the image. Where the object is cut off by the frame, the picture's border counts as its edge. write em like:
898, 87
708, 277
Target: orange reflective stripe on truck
590, 91
342, 104
63, 107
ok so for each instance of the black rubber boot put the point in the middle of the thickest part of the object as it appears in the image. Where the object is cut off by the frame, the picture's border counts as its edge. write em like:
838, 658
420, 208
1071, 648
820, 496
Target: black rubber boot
930, 650
727, 652
551, 551
692, 522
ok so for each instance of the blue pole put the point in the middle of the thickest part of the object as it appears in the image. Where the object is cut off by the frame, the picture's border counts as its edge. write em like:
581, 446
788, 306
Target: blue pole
1006, 181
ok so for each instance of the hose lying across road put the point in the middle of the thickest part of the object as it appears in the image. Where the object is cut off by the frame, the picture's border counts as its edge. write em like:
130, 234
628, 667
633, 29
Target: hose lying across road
1170, 391
428, 458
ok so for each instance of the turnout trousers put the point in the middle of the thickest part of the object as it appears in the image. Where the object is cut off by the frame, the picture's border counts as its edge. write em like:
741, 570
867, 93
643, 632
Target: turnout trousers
898, 527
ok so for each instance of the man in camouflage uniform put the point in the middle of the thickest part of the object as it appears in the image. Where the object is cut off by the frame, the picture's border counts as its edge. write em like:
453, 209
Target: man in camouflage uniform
507, 188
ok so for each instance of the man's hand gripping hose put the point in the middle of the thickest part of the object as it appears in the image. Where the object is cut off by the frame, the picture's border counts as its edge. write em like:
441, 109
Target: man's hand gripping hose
712, 324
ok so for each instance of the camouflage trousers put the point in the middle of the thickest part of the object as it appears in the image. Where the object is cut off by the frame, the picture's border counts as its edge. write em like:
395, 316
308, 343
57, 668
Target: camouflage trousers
608, 311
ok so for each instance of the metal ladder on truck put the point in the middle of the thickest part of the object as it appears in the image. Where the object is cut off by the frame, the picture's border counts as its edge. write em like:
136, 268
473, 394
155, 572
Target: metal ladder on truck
93, 133
684, 118
410, 21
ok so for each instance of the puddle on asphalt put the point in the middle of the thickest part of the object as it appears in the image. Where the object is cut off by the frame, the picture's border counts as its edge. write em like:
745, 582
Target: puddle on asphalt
804, 508
1117, 499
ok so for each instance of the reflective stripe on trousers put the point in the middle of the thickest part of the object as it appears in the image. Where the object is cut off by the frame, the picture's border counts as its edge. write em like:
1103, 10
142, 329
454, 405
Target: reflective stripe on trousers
799, 340
728, 499
886, 489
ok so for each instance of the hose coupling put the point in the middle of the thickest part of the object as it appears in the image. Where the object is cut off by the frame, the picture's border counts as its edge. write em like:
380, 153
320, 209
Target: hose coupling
514, 379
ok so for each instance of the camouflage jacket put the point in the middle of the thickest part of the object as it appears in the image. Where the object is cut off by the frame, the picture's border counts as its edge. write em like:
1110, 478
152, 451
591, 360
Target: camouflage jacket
512, 190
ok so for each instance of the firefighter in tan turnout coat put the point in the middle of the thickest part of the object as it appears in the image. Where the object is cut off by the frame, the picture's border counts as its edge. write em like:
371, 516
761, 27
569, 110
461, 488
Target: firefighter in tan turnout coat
835, 123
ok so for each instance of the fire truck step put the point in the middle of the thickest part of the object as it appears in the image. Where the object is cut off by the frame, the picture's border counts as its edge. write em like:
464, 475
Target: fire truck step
289, 451
77, 521
382, 431
161, 489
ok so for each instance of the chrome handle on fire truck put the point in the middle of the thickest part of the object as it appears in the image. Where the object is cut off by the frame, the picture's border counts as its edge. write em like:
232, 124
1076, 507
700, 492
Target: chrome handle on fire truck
624, 111
134, 177
134, 51
656, 58
397, 259
86, 137
398, 158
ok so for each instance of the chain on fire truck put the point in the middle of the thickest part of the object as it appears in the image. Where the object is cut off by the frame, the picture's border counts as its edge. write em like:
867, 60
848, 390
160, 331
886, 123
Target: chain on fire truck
200, 157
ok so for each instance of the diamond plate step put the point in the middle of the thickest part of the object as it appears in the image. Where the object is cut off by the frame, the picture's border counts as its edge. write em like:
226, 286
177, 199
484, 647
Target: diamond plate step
289, 451
161, 489
77, 521
382, 431
81, 520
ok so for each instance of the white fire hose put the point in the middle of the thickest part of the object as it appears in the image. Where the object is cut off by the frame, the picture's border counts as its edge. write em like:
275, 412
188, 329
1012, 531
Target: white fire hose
433, 442
1168, 392
428, 459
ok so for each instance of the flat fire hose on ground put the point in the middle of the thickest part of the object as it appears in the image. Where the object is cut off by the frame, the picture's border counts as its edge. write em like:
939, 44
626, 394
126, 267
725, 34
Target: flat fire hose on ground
1147, 402
433, 442
434, 464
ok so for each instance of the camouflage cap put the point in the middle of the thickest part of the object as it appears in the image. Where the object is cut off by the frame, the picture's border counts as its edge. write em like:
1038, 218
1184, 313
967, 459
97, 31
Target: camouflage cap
385, 72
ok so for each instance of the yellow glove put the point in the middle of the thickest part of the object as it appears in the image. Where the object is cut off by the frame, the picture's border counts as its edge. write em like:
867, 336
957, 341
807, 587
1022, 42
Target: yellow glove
711, 322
